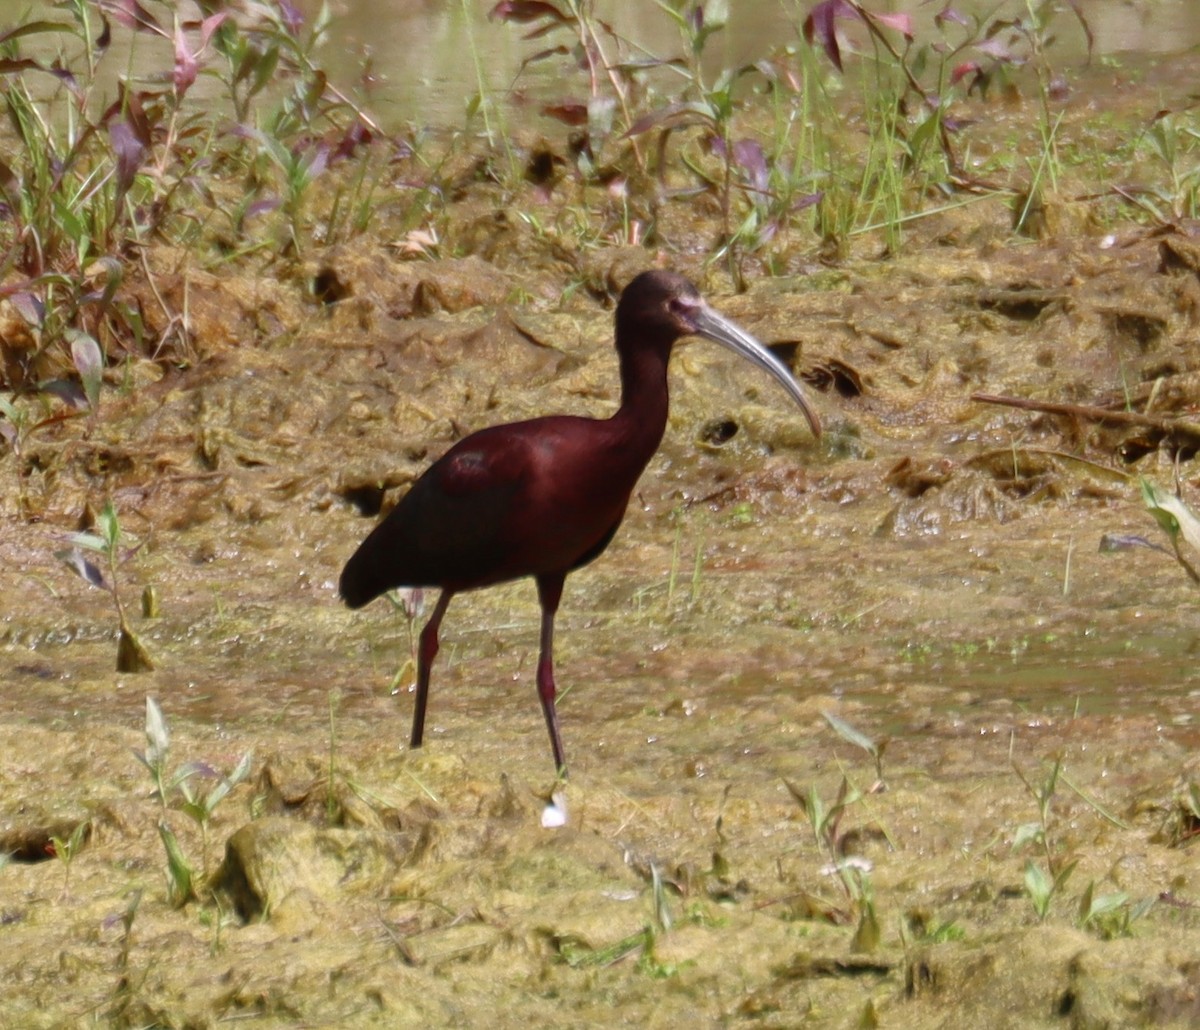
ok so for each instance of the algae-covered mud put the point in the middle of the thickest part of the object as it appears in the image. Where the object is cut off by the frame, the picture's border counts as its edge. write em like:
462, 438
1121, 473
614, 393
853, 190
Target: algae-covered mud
893, 729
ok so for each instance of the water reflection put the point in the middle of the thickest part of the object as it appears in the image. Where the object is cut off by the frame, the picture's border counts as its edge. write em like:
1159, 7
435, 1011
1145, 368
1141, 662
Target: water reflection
431, 57
426, 59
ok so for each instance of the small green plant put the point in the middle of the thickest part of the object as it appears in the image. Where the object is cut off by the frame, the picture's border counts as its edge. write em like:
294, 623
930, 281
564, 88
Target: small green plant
1109, 915
579, 954
409, 602
67, 850
126, 983
1181, 826
853, 871
1042, 887
127, 920
1172, 140
332, 805
662, 910
180, 875
1042, 882
158, 748
660, 924
849, 734
678, 516
196, 805
1175, 519
200, 806
117, 549
92, 180
935, 934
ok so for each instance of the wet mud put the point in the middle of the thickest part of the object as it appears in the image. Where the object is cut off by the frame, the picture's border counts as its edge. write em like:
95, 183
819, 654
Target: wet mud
994, 829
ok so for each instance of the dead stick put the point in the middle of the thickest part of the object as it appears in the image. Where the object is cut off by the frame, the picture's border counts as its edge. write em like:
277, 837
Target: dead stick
1092, 413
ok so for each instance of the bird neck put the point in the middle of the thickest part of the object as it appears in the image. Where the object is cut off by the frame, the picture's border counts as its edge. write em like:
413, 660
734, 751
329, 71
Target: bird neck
642, 416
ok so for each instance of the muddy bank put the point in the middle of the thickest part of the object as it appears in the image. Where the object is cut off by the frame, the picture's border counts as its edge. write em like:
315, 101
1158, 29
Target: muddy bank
996, 828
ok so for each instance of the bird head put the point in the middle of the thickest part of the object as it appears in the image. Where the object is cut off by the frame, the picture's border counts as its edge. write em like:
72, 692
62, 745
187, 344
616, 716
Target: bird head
659, 307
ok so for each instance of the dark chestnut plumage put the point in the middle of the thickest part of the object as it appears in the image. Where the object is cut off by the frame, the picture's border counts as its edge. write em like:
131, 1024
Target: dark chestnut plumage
543, 497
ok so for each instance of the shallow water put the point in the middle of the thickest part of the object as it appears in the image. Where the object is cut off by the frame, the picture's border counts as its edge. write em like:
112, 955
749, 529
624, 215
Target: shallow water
431, 58
930, 575
427, 60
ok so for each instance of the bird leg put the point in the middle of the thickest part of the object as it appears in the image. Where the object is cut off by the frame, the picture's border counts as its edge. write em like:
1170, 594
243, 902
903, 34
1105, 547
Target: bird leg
549, 593
426, 652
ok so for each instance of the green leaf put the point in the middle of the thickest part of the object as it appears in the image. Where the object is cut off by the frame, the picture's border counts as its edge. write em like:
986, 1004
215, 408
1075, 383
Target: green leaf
1176, 520
198, 811
132, 655
1039, 887
1064, 874
34, 27
1192, 799
179, 871
1105, 903
75, 561
89, 363
90, 541
1085, 903
850, 734
242, 769
157, 734
113, 274
69, 848
1027, 833
110, 528
867, 935
662, 911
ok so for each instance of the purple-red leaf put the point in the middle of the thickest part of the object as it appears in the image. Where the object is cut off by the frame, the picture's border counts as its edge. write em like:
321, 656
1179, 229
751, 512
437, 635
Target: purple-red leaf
65, 390
187, 60
526, 11
30, 307
130, 151
89, 363
355, 136
995, 47
32, 28
67, 78
260, 207
317, 163
1087, 29
541, 55
949, 14
132, 15
12, 65
293, 20
901, 22
748, 154
670, 117
966, 68
569, 112
820, 27
74, 559
186, 66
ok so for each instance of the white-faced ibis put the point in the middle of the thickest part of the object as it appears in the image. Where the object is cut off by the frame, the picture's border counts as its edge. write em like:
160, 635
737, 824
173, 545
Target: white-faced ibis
543, 497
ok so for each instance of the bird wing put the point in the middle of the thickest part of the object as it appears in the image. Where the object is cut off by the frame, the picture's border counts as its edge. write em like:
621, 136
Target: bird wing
515, 500
449, 530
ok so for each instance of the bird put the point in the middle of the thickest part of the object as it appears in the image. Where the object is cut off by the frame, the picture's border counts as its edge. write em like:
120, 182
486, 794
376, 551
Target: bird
544, 497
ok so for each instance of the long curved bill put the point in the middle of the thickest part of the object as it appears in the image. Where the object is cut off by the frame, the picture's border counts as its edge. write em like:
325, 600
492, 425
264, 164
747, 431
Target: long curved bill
716, 327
